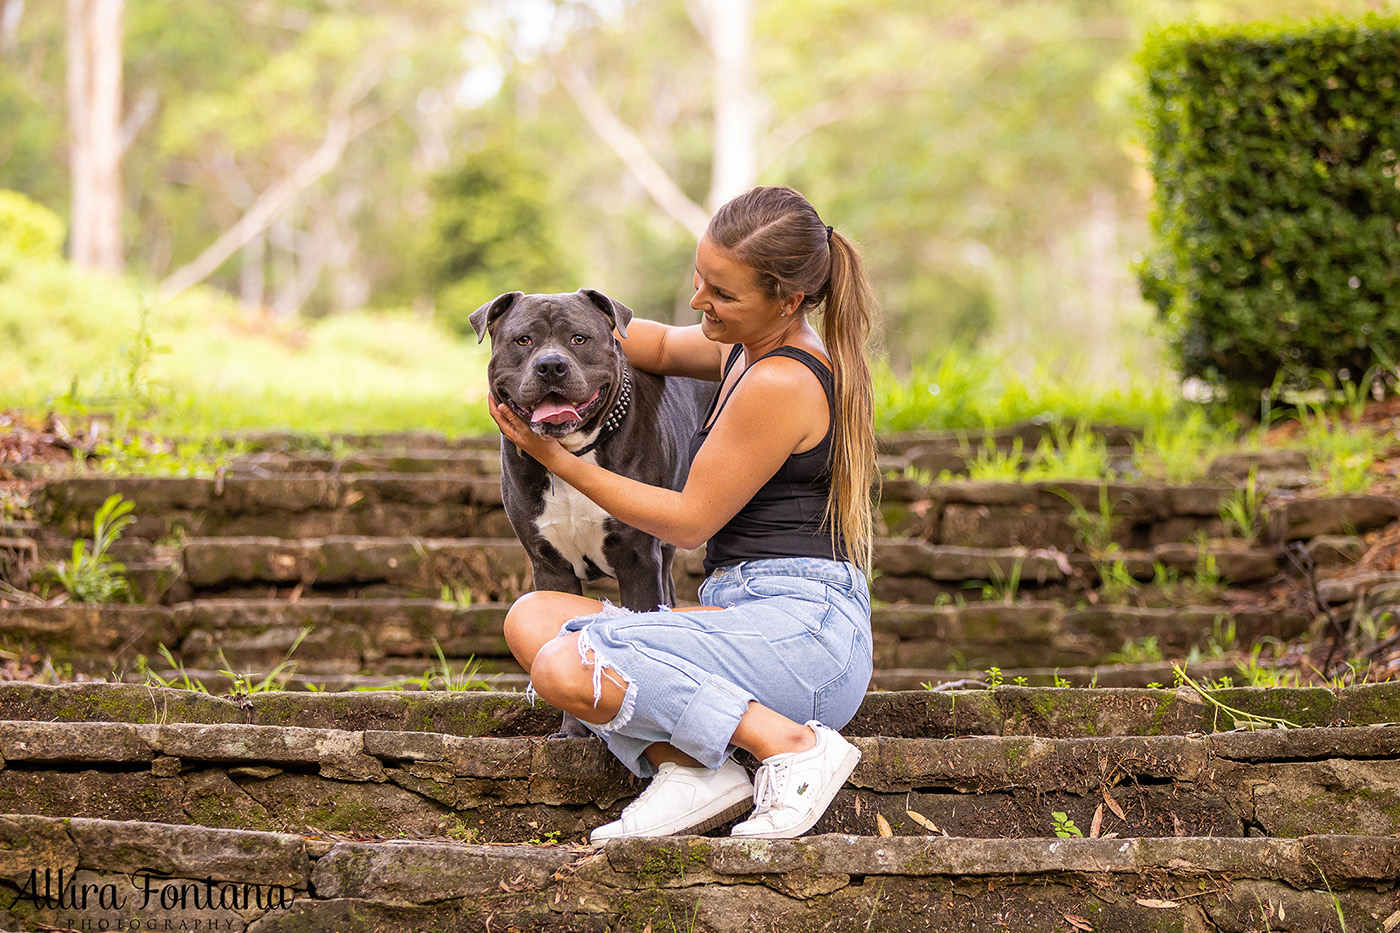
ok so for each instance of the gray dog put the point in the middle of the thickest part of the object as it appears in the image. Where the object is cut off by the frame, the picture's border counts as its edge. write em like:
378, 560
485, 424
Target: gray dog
557, 364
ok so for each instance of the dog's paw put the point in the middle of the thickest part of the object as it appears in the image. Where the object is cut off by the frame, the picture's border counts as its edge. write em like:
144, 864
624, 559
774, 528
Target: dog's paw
570, 728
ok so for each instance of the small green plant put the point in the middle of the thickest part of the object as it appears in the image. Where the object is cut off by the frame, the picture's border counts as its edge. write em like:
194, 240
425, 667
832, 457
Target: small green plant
1222, 637
244, 682
1060, 682
1076, 453
1064, 826
182, 680
1144, 650
1205, 582
461, 831
458, 595
994, 676
1243, 511
1021, 681
1254, 674
1093, 531
1343, 454
441, 676
1179, 449
1116, 582
138, 387
991, 465
1003, 587
93, 576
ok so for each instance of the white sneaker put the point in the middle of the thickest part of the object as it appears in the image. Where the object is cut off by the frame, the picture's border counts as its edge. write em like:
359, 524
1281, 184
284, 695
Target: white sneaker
793, 790
682, 800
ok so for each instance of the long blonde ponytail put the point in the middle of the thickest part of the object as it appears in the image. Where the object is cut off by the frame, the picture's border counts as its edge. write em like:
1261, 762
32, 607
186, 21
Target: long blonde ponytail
777, 233
847, 318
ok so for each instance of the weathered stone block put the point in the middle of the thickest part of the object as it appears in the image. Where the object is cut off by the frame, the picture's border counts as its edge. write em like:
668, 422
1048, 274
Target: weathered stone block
428, 873
1302, 519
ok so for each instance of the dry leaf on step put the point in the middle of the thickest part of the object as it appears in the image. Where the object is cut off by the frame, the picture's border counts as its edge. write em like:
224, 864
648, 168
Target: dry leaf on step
883, 825
1113, 805
922, 820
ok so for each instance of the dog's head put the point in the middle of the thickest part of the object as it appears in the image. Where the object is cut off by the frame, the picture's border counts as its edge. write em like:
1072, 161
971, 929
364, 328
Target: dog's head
554, 359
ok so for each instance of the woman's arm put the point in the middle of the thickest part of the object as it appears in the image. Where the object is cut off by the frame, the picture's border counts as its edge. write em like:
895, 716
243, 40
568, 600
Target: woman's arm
776, 408
665, 350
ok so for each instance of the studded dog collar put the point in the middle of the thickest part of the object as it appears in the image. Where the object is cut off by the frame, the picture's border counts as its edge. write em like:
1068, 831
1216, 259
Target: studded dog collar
614, 418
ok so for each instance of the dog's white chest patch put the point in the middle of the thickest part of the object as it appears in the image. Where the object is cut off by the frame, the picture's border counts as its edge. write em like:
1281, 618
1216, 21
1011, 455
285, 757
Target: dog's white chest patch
574, 527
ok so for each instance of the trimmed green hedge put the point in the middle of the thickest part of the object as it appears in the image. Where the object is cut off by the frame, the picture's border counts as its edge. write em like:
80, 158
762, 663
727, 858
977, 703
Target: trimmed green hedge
1277, 213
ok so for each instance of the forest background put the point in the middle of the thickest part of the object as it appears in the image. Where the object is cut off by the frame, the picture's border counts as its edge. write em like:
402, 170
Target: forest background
329, 174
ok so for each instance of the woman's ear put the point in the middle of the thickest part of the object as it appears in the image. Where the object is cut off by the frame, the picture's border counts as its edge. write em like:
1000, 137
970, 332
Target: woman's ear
789, 305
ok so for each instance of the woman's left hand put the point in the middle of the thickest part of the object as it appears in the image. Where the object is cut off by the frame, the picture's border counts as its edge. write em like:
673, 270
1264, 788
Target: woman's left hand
518, 432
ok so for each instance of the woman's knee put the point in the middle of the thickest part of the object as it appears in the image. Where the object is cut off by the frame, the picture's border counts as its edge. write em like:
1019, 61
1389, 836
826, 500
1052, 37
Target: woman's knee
566, 679
534, 620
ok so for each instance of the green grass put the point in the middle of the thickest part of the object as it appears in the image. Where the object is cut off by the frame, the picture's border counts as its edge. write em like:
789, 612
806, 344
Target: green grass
970, 390
202, 365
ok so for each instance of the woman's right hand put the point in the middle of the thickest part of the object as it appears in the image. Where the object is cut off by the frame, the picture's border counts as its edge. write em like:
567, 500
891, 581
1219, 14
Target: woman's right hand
515, 430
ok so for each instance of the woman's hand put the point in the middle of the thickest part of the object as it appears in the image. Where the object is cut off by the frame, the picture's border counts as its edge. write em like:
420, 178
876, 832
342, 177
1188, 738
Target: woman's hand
518, 432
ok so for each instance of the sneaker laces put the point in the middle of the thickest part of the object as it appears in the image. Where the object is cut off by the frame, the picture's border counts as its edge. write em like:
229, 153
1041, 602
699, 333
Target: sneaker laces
770, 781
652, 787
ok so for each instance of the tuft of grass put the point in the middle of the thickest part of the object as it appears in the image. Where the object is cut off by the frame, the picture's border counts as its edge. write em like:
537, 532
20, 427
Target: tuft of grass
1179, 448
1076, 453
1144, 650
991, 465
92, 576
1243, 511
442, 676
1340, 452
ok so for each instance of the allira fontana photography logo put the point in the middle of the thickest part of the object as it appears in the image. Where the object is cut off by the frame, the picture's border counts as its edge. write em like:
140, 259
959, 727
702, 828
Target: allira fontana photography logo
148, 890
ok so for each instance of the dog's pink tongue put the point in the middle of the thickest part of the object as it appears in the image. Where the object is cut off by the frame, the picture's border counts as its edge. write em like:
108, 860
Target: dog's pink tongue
553, 412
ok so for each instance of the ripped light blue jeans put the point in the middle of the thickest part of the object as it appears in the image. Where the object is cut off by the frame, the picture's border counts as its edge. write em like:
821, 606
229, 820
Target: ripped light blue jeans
792, 634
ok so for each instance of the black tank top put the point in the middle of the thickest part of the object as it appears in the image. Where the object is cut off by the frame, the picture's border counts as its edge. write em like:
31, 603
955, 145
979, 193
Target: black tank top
787, 516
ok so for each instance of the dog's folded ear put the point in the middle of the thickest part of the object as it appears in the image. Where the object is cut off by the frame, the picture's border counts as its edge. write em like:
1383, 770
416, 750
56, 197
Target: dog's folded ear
483, 317
616, 311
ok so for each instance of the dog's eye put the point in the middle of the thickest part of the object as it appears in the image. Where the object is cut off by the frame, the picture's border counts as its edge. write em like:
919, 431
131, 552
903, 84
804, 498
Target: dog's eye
523, 341
577, 339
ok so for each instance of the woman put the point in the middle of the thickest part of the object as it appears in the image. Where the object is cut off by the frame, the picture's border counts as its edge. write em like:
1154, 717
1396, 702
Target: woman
779, 487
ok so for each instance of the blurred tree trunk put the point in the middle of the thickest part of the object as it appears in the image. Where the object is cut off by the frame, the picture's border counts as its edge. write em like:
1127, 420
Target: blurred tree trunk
95, 29
727, 26
10, 13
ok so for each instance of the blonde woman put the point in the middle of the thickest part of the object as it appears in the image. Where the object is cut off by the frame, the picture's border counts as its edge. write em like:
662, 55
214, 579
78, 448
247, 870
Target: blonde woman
779, 657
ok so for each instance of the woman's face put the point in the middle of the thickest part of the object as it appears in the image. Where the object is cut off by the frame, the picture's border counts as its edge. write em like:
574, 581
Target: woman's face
733, 307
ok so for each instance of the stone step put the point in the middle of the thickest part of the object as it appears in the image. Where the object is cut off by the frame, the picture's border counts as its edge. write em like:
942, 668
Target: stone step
437, 505
403, 636
1004, 710
1275, 782
908, 570
503, 675
466, 502
483, 462
266, 882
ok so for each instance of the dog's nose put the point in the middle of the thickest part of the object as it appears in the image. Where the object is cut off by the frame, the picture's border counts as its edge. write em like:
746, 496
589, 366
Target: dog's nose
552, 366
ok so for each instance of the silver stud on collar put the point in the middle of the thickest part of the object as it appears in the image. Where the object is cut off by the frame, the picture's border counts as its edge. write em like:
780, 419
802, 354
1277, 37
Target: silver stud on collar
614, 419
